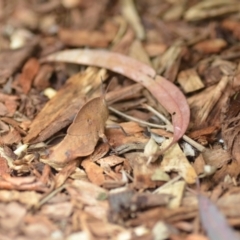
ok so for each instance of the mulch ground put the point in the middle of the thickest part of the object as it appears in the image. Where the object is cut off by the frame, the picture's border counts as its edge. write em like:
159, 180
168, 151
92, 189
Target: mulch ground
119, 119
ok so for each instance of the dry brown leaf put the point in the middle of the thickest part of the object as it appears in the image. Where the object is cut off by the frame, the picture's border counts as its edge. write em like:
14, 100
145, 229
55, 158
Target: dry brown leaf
83, 134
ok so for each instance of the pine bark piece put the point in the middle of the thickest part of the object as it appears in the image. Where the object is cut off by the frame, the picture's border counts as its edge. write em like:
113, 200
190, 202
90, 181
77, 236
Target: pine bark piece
232, 26
12, 60
209, 9
169, 62
176, 190
79, 38
138, 52
210, 46
230, 119
175, 160
4, 168
213, 221
216, 157
43, 76
155, 49
208, 104
141, 171
94, 172
190, 80
30, 70
130, 13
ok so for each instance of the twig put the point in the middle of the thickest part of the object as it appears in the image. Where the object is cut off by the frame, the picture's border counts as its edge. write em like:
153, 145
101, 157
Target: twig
161, 116
168, 183
169, 128
49, 196
136, 119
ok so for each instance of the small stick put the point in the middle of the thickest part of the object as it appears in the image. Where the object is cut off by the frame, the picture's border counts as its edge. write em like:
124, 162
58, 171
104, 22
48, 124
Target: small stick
168, 183
161, 116
50, 195
198, 146
136, 119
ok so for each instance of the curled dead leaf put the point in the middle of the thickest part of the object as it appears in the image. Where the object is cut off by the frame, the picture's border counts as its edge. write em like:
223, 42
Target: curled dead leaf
83, 134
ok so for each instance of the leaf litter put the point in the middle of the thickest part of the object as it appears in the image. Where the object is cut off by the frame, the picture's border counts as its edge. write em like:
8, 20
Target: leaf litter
76, 163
